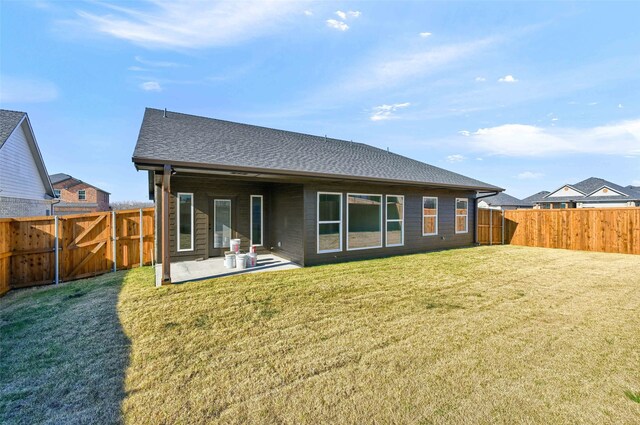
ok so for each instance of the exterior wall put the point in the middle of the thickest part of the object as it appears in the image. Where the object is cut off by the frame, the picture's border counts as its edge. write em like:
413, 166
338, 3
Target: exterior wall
622, 204
204, 189
95, 199
605, 191
286, 221
19, 175
17, 207
413, 239
564, 192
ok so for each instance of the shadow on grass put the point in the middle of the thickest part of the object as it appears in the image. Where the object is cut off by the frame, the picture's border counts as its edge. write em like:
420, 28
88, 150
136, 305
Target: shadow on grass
63, 353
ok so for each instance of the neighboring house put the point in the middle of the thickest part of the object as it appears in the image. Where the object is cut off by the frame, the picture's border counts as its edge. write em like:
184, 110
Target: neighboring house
25, 189
307, 198
533, 199
502, 201
77, 197
590, 193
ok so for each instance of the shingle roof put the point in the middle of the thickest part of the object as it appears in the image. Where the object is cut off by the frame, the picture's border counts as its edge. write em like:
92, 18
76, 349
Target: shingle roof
592, 184
59, 177
536, 197
207, 142
9, 120
503, 199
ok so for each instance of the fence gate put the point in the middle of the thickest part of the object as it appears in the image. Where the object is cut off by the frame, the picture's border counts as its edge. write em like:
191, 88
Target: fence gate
490, 226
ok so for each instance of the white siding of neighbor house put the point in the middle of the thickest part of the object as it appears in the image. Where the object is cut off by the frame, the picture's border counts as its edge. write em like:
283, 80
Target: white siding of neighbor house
565, 191
606, 192
19, 176
605, 205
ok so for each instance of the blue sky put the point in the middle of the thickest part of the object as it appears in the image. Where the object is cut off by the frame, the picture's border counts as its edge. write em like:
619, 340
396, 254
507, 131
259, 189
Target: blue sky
527, 96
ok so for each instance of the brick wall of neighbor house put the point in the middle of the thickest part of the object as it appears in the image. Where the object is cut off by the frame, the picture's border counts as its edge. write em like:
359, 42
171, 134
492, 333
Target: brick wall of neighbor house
16, 207
413, 239
95, 200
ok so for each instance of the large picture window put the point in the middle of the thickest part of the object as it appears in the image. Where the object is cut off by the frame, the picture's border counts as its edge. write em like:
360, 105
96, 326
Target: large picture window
462, 215
256, 219
364, 221
329, 222
185, 221
429, 216
395, 220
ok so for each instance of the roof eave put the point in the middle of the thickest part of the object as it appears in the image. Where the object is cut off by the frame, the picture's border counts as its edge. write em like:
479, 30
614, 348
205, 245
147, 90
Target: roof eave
143, 163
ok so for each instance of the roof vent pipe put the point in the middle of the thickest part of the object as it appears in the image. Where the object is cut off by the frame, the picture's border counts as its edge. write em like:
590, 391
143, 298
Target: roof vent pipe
165, 113
388, 149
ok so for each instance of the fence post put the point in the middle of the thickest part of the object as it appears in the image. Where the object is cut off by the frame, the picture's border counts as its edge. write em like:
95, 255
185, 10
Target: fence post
141, 241
113, 234
56, 247
490, 227
502, 227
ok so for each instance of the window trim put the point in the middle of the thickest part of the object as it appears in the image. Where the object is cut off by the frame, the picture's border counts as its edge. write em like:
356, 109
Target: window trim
466, 216
56, 193
387, 220
261, 220
84, 195
424, 215
318, 223
381, 221
178, 249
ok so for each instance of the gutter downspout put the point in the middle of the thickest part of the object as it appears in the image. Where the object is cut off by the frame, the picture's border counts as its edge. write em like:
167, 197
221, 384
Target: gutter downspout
475, 227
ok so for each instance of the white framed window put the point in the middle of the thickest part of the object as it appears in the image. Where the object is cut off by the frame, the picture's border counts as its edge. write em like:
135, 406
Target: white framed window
462, 215
185, 221
364, 221
329, 231
256, 219
429, 216
394, 231
82, 195
56, 193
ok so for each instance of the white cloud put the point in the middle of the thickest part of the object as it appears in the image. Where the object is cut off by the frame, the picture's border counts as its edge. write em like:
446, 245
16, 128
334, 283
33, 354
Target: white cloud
464, 133
26, 90
136, 69
479, 159
385, 112
554, 119
425, 34
507, 79
157, 64
620, 106
455, 158
341, 14
480, 79
339, 25
151, 86
354, 13
592, 103
173, 25
308, 13
529, 175
621, 138
350, 14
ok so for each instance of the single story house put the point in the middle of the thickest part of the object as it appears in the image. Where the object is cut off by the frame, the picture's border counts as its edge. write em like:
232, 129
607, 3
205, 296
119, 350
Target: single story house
25, 188
535, 198
593, 192
502, 201
76, 196
310, 199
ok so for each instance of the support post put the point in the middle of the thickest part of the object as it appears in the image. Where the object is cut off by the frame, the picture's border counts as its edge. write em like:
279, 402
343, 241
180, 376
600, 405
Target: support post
141, 240
56, 248
490, 226
166, 258
114, 251
502, 211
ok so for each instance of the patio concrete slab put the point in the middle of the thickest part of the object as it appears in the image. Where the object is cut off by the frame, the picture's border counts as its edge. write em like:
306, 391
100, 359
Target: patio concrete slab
187, 271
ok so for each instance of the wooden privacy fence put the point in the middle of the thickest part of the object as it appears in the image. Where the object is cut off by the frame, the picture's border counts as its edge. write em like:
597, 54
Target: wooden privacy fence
585, 229
490, 227
44, 250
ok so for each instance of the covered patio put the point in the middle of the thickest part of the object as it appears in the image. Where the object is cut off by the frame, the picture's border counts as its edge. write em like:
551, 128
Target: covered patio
188, 271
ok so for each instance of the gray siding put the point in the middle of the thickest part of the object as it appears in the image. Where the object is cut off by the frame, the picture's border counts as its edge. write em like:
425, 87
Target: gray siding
286, 221
413, 239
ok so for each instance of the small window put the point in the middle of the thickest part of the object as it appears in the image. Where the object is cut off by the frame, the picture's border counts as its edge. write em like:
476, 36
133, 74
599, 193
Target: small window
185, 221
329, 222
82, 195
56, 193
429, 216
256, 220
462, 215
364, 221
395, 220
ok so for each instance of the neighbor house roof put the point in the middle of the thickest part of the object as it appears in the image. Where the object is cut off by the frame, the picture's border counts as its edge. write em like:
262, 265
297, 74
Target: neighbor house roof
502, 199
9, 120
592, 185
61, 177
193, 141
536, 197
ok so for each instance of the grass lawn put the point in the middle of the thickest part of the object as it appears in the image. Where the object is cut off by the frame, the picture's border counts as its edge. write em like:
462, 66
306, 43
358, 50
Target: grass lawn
482, 335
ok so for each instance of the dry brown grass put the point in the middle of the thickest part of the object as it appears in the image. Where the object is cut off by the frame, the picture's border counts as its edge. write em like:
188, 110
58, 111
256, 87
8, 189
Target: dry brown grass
483, 335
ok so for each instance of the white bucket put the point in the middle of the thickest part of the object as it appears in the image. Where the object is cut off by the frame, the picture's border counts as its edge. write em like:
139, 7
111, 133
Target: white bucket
230, 260
252, 259
241, 261
235, 245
